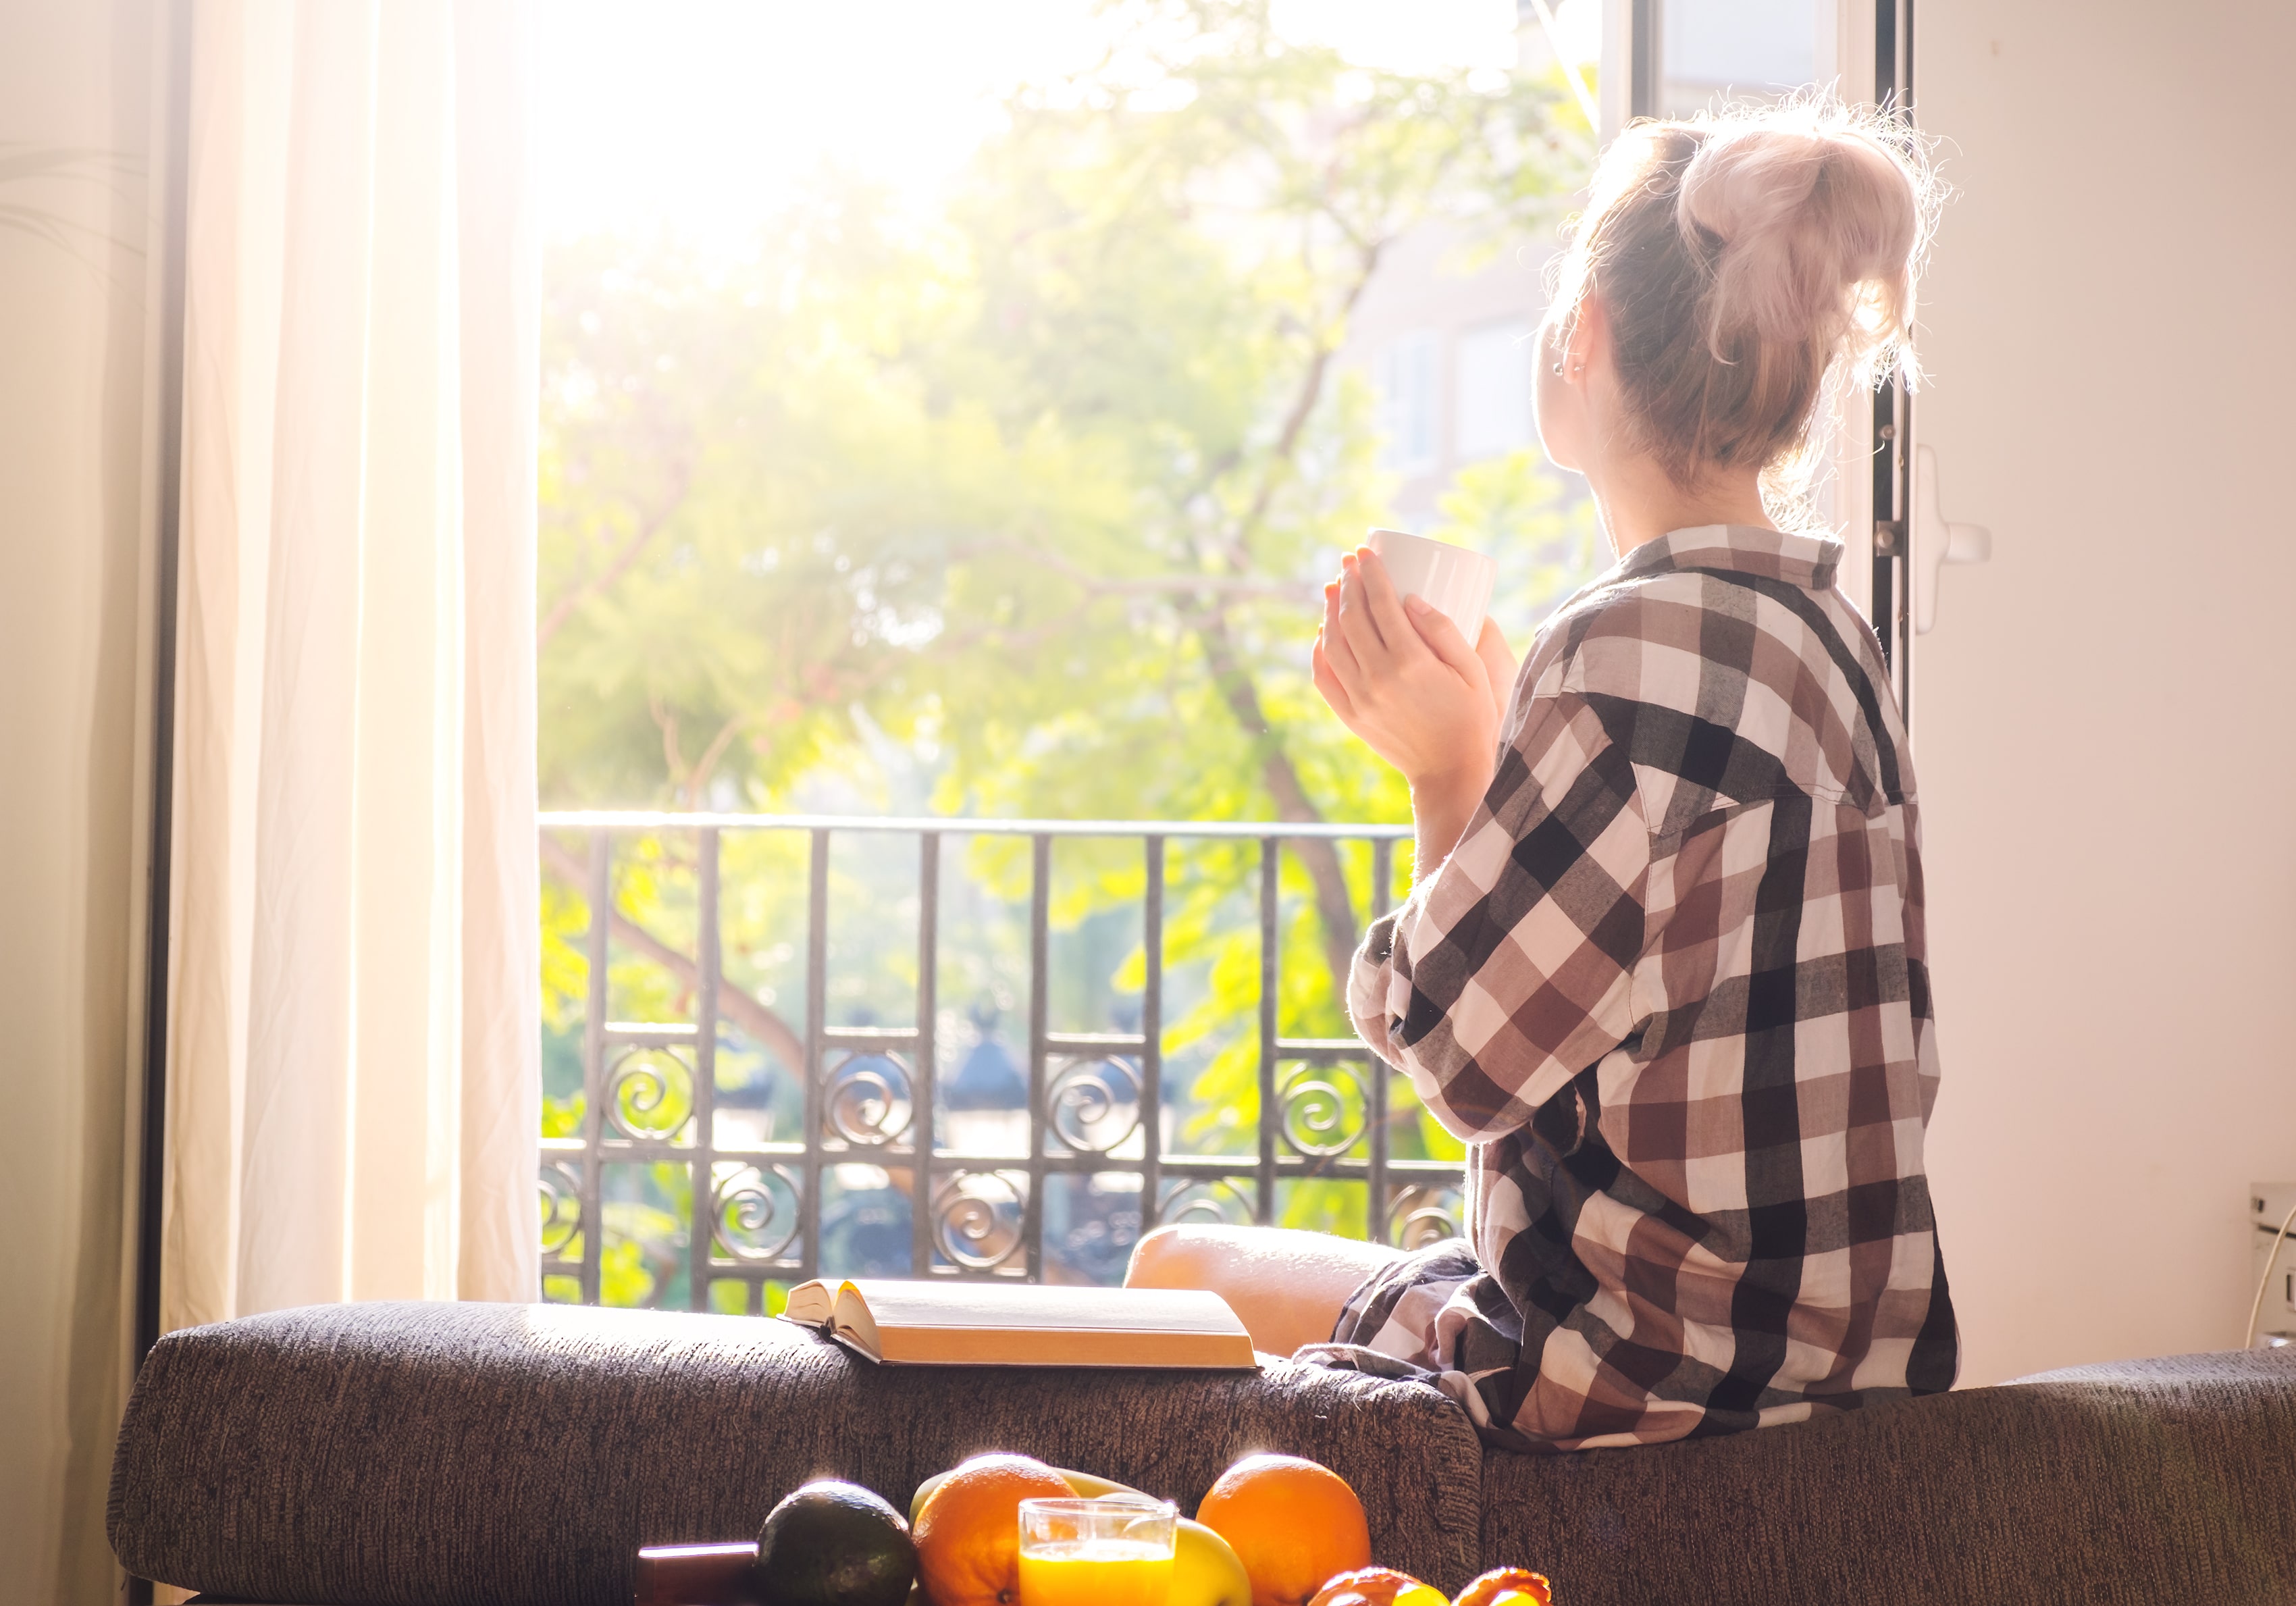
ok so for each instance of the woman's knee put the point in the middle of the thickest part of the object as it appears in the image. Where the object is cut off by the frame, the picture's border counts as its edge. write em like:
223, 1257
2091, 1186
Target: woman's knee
1169, 1257
1217, 1256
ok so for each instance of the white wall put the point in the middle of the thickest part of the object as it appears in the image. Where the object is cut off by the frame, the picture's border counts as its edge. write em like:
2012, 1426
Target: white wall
73, 513
2102, 717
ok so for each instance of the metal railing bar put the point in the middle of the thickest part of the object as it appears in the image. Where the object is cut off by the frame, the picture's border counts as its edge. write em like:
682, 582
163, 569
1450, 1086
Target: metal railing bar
1376, 1084
706, 959
958, 825
1270, 941
1040, 909
656, 1151
1151, 1032
1240, 1167
817, 1004
922, 1073
1233, 1185
651, 1039
1294, 1054
1216, 1168
884, 1039
594, 1065
1059, 1162
622, 1152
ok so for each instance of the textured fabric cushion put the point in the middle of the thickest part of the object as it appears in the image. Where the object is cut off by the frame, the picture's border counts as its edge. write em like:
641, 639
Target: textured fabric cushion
2146, 1481
432, 1454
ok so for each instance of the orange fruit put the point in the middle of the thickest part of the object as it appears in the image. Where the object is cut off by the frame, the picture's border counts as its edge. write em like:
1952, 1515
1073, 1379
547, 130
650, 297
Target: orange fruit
968, 1535
1293, 1523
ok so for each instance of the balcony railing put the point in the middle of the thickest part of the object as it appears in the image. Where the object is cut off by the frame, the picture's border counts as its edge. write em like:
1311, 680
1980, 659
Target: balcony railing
979, 1183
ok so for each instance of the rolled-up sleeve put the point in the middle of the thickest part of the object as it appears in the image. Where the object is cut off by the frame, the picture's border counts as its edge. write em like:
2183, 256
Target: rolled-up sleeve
1511, 969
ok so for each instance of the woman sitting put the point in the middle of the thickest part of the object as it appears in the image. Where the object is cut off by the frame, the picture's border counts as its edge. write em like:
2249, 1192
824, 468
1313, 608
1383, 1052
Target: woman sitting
1664, 967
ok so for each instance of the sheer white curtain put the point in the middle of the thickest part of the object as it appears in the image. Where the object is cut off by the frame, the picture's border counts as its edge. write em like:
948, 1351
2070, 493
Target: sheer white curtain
353, 1089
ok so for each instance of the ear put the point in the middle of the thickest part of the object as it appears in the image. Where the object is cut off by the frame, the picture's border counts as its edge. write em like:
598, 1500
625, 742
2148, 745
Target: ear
1590, 339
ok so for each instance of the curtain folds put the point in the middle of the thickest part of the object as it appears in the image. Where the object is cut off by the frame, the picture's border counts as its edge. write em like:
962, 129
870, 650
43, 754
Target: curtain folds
353, 1091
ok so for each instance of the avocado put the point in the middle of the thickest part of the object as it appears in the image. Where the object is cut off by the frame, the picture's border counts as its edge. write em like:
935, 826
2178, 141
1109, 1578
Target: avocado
833, 1544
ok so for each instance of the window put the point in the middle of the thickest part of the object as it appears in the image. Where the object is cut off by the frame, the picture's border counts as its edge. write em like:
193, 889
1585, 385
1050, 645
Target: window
1717, 50
1406, 379
892, 432
1493, 409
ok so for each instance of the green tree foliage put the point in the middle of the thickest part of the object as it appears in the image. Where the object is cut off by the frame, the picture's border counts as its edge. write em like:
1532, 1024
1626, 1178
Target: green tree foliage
1041, 488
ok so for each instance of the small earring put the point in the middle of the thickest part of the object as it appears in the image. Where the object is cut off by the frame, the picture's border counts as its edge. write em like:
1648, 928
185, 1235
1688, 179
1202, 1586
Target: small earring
1558, 369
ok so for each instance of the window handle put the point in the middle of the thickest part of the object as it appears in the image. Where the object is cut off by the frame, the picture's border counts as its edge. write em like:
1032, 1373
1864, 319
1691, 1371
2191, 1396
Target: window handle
1936, 542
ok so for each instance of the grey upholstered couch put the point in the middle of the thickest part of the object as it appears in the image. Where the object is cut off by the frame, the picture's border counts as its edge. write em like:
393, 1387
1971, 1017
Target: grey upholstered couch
444, 1454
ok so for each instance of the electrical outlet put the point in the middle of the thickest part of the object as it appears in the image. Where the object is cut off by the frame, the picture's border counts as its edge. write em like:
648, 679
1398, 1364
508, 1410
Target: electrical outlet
2272, 1259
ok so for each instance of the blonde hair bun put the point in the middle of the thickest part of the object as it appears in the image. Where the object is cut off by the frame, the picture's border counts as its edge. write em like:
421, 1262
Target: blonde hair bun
1750, 263
1815, 228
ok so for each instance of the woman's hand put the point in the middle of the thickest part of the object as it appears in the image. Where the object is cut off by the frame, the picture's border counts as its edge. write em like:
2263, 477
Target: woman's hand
1399, 674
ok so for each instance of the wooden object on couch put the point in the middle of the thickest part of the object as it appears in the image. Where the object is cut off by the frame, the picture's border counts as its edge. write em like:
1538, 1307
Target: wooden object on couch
698, 1575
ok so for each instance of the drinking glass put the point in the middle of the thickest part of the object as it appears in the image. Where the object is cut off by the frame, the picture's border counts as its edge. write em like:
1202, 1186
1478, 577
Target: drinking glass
1116, 1551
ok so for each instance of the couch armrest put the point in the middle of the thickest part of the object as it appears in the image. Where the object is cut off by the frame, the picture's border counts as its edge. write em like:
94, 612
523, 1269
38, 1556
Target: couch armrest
430, 1455
2143, 1482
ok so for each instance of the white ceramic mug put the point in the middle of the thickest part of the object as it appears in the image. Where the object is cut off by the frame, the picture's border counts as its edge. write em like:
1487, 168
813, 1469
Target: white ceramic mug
1455, 581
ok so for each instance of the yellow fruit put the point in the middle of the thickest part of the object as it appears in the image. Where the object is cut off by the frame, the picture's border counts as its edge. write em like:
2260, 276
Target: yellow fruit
1206, 1571
924, 1492
1295, 1523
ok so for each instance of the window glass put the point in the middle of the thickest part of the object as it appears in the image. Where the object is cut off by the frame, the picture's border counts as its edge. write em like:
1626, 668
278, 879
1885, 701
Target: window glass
1407, 381
1711, 51
961, 421
1493, 390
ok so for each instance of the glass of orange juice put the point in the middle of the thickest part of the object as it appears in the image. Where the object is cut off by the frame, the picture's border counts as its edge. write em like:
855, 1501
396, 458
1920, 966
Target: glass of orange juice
1116, 1551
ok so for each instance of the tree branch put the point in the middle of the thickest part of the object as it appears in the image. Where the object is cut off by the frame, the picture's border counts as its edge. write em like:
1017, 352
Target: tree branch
1303, 403
733, 1004
705, 765
1334, 908
616, 566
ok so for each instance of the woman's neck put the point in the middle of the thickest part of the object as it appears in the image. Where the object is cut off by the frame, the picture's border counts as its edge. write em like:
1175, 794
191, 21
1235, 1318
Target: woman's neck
1639, 501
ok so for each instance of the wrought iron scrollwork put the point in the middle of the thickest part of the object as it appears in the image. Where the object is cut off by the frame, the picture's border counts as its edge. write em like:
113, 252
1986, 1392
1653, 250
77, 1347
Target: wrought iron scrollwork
1207, 1200
1323, 1111
1087, 1113
755, 1213
976, 1220
1420, 1217
868, 1100
650, 1096
562, 1209
770, 1185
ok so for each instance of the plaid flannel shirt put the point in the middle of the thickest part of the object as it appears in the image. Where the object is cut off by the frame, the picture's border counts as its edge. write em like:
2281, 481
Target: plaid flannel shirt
1671, 988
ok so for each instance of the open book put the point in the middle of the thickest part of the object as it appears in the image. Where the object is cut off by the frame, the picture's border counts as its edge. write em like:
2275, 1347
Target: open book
945, 1322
